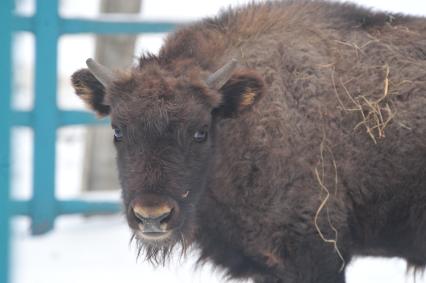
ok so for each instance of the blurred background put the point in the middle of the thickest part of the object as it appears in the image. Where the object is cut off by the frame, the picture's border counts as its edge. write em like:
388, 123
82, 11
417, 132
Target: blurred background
82, 248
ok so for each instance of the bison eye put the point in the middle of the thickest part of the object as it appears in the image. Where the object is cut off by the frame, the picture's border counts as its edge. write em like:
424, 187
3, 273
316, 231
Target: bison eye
118, 135
200, 135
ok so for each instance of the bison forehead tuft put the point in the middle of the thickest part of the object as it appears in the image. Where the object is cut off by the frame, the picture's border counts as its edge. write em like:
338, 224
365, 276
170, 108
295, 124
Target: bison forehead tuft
146, 109
150, 85
152, 97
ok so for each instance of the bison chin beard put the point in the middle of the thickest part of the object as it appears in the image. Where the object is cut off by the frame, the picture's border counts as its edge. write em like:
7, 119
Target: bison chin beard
159, 252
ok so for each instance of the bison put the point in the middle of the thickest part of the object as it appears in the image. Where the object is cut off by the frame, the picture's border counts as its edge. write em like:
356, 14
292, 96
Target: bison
281, 139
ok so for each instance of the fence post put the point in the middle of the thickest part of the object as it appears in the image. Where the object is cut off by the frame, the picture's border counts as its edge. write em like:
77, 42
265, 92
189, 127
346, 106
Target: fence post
5, 129
44, 205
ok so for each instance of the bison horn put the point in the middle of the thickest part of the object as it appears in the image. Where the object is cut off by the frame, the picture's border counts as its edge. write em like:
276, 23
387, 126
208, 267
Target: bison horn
221, 76
104, 75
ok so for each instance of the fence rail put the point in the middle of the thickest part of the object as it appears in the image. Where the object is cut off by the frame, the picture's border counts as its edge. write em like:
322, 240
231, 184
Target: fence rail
106, 24
45, 118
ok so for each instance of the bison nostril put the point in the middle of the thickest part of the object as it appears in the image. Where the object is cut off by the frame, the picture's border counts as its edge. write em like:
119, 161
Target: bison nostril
166, 217
140, 218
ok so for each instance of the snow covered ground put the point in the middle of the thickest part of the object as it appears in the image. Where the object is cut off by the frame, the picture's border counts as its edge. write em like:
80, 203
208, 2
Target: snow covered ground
96, 249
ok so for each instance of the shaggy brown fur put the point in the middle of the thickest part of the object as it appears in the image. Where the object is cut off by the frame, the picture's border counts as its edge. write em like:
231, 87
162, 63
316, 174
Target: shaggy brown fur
316, 147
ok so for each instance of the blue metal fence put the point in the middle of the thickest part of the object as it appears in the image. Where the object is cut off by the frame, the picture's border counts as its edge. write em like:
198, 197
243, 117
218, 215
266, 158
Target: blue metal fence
45, 117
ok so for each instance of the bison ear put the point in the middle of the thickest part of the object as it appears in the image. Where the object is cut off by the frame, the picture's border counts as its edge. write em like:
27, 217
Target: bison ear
91, 91
240, 93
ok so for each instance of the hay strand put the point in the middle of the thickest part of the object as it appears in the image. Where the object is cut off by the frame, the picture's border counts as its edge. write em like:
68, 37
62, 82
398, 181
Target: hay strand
376, 114
320, 179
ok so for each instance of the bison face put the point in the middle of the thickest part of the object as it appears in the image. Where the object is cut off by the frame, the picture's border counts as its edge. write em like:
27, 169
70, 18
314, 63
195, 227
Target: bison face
163, 127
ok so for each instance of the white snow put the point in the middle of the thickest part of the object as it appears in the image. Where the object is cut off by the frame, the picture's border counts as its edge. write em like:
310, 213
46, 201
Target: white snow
96, 249
92, 250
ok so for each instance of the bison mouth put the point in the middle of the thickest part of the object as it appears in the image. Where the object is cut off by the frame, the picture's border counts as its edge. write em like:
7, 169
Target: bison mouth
155, 236
158, 247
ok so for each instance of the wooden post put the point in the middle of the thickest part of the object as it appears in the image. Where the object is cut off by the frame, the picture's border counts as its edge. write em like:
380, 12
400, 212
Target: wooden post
116, 52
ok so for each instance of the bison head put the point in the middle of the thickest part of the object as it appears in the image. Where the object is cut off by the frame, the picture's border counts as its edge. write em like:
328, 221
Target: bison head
163, 121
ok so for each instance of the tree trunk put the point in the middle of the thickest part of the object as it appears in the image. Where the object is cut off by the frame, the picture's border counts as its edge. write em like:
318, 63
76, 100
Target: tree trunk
116, 52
